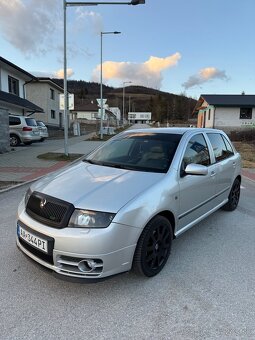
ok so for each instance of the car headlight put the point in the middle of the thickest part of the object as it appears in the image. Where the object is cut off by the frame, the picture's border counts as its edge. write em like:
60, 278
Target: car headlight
27, 196
90, 219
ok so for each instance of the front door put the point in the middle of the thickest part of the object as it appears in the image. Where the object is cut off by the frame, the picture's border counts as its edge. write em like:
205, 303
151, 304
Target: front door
196, 191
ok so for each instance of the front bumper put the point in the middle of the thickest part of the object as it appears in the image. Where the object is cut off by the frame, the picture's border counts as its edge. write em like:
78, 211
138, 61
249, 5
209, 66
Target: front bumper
110, 250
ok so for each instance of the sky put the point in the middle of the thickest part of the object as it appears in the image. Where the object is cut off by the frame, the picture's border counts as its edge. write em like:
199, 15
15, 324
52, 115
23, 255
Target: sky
177, 46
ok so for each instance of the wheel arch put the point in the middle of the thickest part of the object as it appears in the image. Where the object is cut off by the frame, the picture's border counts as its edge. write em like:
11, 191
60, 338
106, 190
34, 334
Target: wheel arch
239, 177
170, 216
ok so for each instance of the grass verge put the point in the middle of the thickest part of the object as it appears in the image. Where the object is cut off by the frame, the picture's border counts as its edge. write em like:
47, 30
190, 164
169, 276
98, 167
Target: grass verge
247, 152
55, 156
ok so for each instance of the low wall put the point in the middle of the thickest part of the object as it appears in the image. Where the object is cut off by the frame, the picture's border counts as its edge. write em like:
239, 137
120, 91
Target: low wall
4, 131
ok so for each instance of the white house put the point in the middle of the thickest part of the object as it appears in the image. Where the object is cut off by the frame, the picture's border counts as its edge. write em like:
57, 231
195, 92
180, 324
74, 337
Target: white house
139, 117
13, 97
227, 112
91, 112
45, 93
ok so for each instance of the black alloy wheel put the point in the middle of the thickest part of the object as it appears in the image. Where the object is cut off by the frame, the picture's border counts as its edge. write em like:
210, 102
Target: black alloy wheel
233, 197
154, 246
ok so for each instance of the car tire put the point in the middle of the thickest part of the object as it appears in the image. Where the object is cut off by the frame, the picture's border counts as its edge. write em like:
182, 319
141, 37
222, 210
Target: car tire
233, 197
153, 247
14, 140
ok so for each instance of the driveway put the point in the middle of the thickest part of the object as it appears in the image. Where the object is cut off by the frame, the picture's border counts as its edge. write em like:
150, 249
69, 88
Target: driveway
206, 290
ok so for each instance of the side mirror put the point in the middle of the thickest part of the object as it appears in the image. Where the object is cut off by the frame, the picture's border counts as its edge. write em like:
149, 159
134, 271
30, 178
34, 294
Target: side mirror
196, 169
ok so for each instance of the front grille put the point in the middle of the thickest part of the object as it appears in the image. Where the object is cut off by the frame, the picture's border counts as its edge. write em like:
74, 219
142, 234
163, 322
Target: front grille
49, 210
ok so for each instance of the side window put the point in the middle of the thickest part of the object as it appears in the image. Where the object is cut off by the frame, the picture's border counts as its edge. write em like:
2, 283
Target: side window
14, 121
228, 146
220, 148
196, 152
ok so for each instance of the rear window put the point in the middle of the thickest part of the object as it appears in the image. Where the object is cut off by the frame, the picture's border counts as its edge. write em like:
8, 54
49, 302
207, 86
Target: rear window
30, 121
40, 124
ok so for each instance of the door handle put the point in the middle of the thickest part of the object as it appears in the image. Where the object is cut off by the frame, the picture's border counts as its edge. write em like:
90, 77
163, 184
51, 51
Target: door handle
213, 173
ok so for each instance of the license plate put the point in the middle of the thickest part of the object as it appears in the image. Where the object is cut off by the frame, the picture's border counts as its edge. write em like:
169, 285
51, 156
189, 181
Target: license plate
33, 240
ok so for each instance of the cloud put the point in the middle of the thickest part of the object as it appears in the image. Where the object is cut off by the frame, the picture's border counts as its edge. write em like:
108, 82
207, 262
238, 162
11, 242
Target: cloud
35, 27
92, 19
60, 73
28, 24
147, 74
205, 75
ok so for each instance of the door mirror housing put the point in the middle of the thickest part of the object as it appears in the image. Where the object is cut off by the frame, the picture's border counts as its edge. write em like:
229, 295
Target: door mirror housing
196, 169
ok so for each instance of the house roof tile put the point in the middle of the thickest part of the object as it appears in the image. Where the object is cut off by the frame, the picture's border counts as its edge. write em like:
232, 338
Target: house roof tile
239, 100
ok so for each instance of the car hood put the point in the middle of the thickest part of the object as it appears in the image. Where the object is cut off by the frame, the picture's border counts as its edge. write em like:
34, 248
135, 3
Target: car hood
96, 187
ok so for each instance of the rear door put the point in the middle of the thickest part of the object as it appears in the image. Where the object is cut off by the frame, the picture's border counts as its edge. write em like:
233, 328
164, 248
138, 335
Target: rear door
15, 125
225, 161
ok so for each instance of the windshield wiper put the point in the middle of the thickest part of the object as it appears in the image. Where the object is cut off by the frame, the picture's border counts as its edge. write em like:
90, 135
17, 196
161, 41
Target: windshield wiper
89, 161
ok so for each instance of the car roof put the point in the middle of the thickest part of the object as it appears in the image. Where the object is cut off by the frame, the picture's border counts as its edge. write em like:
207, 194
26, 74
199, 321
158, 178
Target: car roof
172, 130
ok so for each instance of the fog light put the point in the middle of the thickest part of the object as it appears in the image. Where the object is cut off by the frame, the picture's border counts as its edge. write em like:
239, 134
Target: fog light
86, 266
91, 264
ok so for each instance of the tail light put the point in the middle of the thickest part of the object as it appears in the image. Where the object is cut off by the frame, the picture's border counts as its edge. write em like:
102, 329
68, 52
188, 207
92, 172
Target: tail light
26, 128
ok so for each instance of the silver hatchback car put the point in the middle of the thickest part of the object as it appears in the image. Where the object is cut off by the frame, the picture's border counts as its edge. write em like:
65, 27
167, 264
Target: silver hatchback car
123, 204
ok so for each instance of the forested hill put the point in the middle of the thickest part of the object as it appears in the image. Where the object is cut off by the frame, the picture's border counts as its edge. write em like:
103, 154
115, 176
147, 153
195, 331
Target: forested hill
163, 105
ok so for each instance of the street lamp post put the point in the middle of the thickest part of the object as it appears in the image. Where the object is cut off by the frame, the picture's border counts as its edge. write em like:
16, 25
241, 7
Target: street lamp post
123, 105
101, 83
81, 3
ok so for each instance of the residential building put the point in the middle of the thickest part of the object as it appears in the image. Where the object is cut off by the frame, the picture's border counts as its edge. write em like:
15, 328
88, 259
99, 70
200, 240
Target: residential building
139, 117
92, 112
45, 93
13, 97
227, 112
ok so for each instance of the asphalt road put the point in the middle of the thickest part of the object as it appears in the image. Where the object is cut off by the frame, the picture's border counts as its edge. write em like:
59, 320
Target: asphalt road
206, 290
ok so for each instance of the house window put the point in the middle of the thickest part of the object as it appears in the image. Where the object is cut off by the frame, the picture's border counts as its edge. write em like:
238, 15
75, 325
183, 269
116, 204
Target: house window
52, 94
245, 113
13, 85
53, 114
209, 114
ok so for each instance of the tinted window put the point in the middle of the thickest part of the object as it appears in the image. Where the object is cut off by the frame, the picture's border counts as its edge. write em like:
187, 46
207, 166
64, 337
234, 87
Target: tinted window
14, 121
228, 145
196, 152
138, 151
220, 148
30, 121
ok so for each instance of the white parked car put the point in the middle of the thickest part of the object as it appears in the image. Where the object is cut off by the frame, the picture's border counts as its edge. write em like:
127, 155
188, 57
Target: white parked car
122, 205
43, 130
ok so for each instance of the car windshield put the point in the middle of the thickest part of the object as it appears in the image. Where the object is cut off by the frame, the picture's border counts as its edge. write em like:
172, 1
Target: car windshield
152, 152
40, 124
